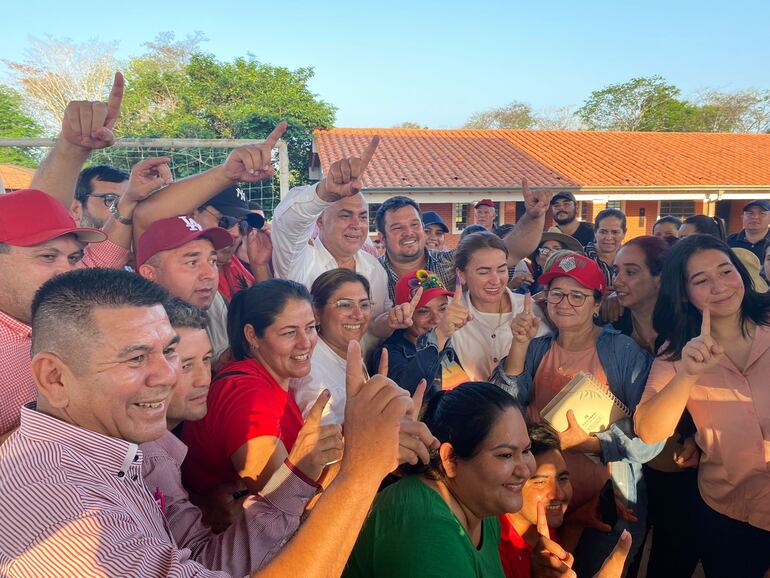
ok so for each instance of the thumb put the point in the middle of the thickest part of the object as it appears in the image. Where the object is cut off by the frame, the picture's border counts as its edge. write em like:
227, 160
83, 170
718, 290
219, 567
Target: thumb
571, 419
613, 565
458, 296
316, 412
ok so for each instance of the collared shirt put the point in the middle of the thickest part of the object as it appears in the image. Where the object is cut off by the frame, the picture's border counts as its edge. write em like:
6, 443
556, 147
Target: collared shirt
74, 504
739, 240
731, 411
442, 263
268, 519
293, 258
486, 339
16, 384
607, 270
327, 371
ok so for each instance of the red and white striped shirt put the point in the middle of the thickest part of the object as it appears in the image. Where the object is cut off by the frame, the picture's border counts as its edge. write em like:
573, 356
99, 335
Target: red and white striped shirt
74, 503
16, 384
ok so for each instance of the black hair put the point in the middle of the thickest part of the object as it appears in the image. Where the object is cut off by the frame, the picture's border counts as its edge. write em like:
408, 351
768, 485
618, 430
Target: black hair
475, 242
543, 438
617, 213
62, 308
329, 281
183, 315
474, 228
675, 319
394, 204
104, 173
668, 219
463, 417
706, 225
258, 306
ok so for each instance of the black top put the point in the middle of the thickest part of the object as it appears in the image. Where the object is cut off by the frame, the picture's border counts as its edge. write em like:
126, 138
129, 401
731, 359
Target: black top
584, 233
739, 240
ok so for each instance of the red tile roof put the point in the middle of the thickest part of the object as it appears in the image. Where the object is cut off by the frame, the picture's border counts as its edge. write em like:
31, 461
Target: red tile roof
14, 177
451, 159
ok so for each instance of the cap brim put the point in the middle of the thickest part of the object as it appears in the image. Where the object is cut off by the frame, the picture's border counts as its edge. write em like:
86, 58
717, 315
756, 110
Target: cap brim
561, 196
232, 210
569, 242
84, 235
429, 295
219, 237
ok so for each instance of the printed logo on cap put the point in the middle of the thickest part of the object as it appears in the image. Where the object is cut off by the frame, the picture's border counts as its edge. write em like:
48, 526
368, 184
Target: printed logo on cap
567, 264
191, 224
240, 193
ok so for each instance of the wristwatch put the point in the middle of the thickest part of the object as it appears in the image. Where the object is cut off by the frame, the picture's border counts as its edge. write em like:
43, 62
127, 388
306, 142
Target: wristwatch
115, 213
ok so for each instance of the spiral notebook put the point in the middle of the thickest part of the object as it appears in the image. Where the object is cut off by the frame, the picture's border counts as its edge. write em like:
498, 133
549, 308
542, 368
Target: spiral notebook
595, 407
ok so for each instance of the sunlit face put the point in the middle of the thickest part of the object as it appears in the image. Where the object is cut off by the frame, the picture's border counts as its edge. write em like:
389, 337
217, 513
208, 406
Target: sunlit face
564, 211
567, 316
551, 246
209, 217
551, 484
486, 276
24, 269
122, 387
714, 282
609, 235
188, 399
490, 482
344, 226
434, 237
188, 272
287, 344
665, 229
345, 317
634, 284
756, 220
94, 213
485, 216
404, 235
428, 316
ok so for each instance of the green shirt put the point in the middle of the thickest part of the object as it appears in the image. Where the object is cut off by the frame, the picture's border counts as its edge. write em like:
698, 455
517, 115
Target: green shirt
412, 532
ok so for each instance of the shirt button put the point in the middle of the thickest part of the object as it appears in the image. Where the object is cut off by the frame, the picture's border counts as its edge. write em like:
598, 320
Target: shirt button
495, 359
134, 477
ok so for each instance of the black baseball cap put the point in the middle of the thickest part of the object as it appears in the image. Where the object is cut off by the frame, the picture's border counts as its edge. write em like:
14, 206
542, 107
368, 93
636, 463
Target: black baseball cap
761, 203
231, 202
566, 195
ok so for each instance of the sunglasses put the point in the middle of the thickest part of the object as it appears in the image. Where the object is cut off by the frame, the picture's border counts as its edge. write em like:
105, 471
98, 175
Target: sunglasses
245, 224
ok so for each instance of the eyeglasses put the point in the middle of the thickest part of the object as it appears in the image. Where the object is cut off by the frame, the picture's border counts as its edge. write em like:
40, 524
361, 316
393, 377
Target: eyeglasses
347, 305
545, 251
107, 198
575, 298
228, 222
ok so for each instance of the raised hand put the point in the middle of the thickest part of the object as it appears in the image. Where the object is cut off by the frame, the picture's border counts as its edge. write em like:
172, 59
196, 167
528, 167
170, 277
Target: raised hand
574, 438
344, 178
317, 445
254, 162
89, 125
549, 560
373, 413
414, 438
525, 325
148, 175
400, 316
455, 316
536, 203
259, 247
613, 564
701, 353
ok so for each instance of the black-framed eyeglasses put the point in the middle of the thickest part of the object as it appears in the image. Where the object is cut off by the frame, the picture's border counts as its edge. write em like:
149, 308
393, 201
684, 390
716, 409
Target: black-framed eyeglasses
107, 198
574, 298
228, 222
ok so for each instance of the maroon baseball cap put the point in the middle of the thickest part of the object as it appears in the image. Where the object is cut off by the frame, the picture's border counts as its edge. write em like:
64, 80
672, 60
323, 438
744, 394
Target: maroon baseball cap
485, 203
174, 232
431, 285
579, 267
29, 217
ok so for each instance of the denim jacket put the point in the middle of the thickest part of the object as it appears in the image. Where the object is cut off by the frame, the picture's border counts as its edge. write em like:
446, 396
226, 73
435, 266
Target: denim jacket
626, 366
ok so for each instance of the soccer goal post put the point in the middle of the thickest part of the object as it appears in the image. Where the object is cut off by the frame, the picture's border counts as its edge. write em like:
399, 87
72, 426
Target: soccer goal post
188, 157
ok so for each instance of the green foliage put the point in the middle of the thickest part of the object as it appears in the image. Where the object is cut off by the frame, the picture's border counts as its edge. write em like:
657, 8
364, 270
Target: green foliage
512, 116
15, 123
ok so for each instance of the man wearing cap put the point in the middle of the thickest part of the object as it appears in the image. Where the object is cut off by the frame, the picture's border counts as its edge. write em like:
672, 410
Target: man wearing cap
435, 228
38, 240
485, 214
564, 211
753, 236
180, 255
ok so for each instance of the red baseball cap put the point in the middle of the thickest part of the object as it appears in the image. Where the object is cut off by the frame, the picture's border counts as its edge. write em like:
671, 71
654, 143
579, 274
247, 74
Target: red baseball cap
408, 284
579, 267
174, 232
485, 203
29, 217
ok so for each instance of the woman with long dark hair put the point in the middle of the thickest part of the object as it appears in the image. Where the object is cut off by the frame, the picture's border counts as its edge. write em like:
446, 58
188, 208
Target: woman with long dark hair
715, 363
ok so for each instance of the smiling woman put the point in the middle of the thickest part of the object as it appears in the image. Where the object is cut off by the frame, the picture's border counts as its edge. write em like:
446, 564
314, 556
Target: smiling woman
253, 420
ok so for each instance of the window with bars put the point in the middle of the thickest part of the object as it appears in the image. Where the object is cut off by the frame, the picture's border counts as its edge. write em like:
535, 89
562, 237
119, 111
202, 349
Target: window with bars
679, 209
460, 216
615, 205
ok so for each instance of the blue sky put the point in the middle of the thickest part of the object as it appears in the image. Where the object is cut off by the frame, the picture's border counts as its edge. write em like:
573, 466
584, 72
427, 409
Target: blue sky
438, 62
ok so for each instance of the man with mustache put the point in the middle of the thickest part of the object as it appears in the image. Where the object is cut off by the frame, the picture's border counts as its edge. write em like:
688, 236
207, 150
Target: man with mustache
564, 211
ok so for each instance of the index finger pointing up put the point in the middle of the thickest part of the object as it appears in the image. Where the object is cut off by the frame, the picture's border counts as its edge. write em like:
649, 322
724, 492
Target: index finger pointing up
416, 298
705, 326
354, 370
542, 520
527, 304
368, 153
273, 137
114, 100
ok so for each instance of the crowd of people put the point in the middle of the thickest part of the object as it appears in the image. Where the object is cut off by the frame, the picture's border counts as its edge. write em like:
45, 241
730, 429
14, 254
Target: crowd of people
187, 389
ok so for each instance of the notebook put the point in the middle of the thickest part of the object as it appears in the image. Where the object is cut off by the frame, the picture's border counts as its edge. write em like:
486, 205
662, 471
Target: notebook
595, 407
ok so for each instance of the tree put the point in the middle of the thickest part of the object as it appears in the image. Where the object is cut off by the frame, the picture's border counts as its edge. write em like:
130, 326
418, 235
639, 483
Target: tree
409, 124
624, 106
514, 115
741, 111
560, 118
56, 71
15, 123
